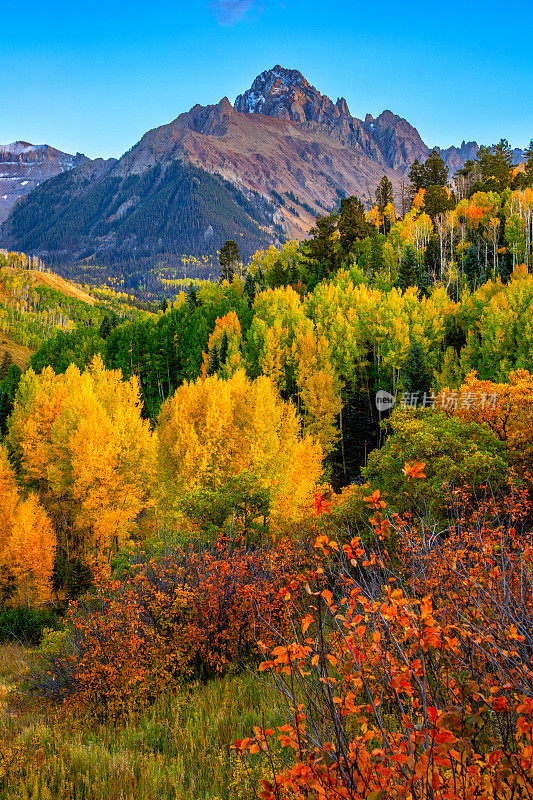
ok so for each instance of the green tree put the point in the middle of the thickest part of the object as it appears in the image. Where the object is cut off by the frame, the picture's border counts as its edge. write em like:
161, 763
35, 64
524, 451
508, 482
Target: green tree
105, 327
496, 164
320, 250
472, 267
6, 362
437, 200
377, 260
435, 170
416, 376
214, 362
432, 263
384, 193
224, 344
8, 389
192, 298
454, 452
407, 273
528, 162
352, 224
417, 177
249, 288
229, 258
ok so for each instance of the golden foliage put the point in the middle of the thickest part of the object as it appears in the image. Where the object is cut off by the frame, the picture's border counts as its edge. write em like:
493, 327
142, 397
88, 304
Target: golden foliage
27, 542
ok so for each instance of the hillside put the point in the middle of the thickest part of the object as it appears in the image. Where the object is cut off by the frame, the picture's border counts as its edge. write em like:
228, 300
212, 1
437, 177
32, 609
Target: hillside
258, 173
35, 304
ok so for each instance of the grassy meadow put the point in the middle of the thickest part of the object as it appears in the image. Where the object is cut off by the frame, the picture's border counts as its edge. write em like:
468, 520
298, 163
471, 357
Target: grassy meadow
179, 749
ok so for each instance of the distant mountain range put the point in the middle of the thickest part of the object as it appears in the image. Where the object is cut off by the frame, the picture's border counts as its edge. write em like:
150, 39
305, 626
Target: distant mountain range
257, 172
23, 166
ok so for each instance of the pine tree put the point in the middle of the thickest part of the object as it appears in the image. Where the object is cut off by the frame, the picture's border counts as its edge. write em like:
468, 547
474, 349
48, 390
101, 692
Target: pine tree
407, 274
377, 261
249, 289
214, 361
352, 224
320, 250
192, 298
416, 377
224, 348
105, 327
435, 170
8, 388
229, 258
472, 267
416, 177
496, 164
528, 160
384, 193
7, 360
432, 257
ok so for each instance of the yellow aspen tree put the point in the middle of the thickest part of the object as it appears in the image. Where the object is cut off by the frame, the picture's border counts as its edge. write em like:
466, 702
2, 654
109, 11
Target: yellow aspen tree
80, 441
318, 389
27, 543
224, 443
226, 335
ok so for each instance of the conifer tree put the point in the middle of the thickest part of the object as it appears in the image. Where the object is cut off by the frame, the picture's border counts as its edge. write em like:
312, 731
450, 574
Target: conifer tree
407, 274
6, 362
416, 377
435, 170
105, 327
472, 267
352, 224
229, 257
192, 298
384, 193
249, 288
224, 348
377, 261
214, 361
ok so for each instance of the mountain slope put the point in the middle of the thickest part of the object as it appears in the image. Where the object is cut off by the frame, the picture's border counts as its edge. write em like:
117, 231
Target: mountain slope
116, 215
24, 166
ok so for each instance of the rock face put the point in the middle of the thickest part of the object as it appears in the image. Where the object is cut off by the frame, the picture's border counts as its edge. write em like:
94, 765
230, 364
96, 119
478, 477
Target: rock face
285, 93
257, 172
23, 166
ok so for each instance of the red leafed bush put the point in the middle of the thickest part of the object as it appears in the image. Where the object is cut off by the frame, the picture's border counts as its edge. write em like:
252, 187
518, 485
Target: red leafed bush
191, 613
411, 681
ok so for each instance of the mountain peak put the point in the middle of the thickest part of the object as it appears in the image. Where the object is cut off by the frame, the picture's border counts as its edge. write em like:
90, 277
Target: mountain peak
285, 93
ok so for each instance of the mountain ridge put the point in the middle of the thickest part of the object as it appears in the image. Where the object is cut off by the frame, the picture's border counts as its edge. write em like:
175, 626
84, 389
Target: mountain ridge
258, 171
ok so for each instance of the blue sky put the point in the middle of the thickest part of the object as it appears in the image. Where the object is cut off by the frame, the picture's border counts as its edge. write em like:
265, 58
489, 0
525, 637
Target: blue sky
95, 76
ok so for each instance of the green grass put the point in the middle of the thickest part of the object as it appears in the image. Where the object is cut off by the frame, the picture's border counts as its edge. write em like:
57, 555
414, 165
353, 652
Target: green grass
178, 749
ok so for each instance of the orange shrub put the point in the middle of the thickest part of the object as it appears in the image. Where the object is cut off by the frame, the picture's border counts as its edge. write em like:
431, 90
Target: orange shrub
415, 684
189, 613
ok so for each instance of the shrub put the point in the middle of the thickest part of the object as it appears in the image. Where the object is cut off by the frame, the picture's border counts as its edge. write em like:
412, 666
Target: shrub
417, 683
189, 613
454, 451
27, 625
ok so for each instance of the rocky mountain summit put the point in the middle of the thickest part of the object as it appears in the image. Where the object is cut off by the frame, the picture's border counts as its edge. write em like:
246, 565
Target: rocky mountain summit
285, 93
23, 166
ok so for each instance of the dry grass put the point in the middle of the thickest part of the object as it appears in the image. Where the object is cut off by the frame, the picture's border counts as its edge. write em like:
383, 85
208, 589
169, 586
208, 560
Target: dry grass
19, 353
12, 668
61, 285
